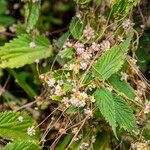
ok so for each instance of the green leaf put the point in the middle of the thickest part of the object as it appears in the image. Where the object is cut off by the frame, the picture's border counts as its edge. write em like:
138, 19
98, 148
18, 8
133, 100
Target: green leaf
22, 145
12, 128
124, 115
122, 7
62, 40
18, 52
65, 142
76, 28
122, 86
72, 110
111, 61
68, 52
105, 103
82, 1
33, 15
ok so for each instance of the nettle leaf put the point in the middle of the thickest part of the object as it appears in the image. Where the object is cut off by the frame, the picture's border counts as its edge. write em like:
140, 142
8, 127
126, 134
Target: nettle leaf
122, 7
124, 115
105, 103
122, 86
22, 145
115, 110
33, 15
111, 61
18, 52
12, 128
76, 28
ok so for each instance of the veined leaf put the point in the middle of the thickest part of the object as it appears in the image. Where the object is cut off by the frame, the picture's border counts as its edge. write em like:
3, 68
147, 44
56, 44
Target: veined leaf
11, 127
111, 61
18, 52
76, 28
22, 145
105, 103
124, 115
122, 86
33, 15
122, 7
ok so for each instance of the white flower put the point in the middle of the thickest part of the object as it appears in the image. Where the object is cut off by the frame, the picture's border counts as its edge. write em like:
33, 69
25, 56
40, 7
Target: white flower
88, 112
31, 131
62, 131
95, 47
89, 33
127, 24
83, 65
58, 90
51, 82
140, 146
92, 99
105, 45
65, 100
124, 76
93, 139
79, 48
32, 44
67, 44
78, 15
75, 130
20, 118
86, 55
147, 107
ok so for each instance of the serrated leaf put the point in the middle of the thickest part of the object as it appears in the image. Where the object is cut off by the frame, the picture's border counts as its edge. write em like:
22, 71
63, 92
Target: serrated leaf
33, 15
76, 28
124, 115
111, 61
18, 52
122, 7
22, 145
12, 128
105, 103
122, 86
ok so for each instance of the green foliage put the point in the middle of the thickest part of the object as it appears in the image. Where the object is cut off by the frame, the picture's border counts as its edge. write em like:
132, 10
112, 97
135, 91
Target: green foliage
65, 142
124, 115
60, 42
12, 128
76, 28
82, 1
4, 19
111, 61
122, 86
33, 15
115, 110
18, 52
22, 145
105, 103
122, 7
